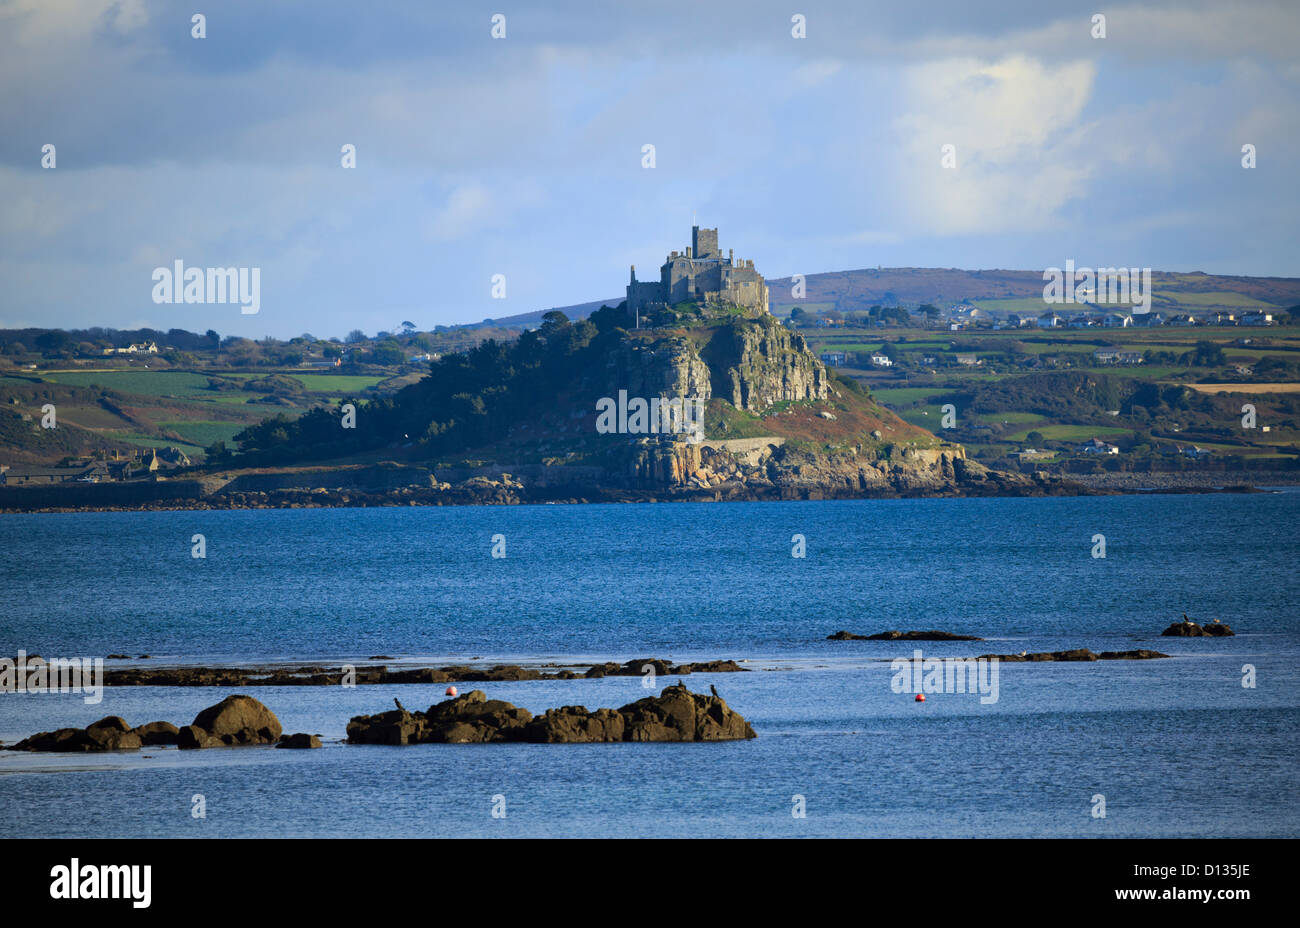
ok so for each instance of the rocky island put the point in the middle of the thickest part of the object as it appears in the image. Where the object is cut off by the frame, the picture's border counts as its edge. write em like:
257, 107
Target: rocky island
902, 636
716, 400
1189, 629
676, 714
236, 720
315, 675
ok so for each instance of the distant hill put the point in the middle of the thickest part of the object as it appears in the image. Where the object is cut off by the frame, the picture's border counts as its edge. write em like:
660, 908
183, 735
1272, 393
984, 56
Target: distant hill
997, 290
534, 319
1021, 291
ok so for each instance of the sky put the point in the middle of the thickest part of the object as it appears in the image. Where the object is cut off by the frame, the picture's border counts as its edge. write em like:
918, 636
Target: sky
523, 156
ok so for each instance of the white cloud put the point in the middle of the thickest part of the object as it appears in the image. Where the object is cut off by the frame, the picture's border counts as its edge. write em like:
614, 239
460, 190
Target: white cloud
1016, 127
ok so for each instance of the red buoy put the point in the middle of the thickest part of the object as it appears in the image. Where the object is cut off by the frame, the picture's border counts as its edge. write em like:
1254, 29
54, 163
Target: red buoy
451, 691
920, 697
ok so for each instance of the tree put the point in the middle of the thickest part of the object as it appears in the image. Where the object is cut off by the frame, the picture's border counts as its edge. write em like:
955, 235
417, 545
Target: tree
386, 353
553, 321
1208, 354
408, 327
216, 452
54, 340
356, 337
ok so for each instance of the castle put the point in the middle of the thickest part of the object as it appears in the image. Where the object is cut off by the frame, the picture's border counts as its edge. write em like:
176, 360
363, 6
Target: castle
700, 275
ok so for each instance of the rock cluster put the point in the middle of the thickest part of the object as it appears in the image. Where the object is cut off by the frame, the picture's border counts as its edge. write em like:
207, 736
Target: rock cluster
1189, 629
676, 714
235, 720
324, 676
1077, 654
902, 636
111, 733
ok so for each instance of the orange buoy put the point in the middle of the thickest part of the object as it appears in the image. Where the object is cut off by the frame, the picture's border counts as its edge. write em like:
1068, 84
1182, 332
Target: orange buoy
451, 691
920, 697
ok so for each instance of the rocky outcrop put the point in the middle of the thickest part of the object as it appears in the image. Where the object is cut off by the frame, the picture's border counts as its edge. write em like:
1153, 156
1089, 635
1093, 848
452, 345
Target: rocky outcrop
1189, 629
234, 721
156, 733
108, 734
902, 636
667, 367
636, 668
755, 362
1077, 654
676, 714
301, 740
312, 675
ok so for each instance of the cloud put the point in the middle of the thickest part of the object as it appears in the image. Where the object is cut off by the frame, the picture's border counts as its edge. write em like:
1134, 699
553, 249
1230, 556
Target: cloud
1016, 127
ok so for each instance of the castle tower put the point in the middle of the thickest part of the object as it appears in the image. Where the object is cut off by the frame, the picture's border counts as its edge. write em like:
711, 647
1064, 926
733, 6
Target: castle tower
704, 243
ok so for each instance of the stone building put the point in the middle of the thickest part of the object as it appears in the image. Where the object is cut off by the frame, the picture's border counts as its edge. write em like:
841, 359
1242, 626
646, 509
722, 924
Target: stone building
701, 274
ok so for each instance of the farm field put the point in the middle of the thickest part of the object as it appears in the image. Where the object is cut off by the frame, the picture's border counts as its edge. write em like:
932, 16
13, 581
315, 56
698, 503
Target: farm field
1256, 388
1071, 432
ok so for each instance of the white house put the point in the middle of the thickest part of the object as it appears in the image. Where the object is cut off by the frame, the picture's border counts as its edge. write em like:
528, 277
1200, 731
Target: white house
880, 360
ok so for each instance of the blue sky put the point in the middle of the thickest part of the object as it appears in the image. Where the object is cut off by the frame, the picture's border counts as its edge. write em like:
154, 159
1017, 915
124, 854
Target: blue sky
522, 156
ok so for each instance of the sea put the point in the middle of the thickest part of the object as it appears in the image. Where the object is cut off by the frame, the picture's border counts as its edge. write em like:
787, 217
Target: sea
1202, 744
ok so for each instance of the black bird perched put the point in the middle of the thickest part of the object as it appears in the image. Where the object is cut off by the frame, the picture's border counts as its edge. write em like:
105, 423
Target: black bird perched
399, 704
714, 690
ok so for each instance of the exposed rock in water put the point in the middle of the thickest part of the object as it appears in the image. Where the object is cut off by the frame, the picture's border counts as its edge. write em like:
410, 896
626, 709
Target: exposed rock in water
322, 676
1077, 654
1189, 629
235, 720
158, 733
676, 714
111, 733
299, 740
636, 668
902, 636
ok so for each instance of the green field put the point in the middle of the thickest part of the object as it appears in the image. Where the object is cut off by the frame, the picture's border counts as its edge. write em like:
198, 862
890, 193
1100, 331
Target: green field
1215, 298
1017, 418
1071, 432
1021, 306
905, 396
146, 442
337, 383
189, 384
141, 383
204, 433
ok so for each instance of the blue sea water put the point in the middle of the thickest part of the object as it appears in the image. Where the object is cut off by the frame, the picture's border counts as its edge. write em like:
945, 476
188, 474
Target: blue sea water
1176, 747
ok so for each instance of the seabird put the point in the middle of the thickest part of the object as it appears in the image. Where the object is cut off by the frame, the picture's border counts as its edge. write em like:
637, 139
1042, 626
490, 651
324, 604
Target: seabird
714, 690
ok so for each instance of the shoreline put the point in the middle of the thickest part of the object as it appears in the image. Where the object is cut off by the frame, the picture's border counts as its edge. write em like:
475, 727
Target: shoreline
309, 499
